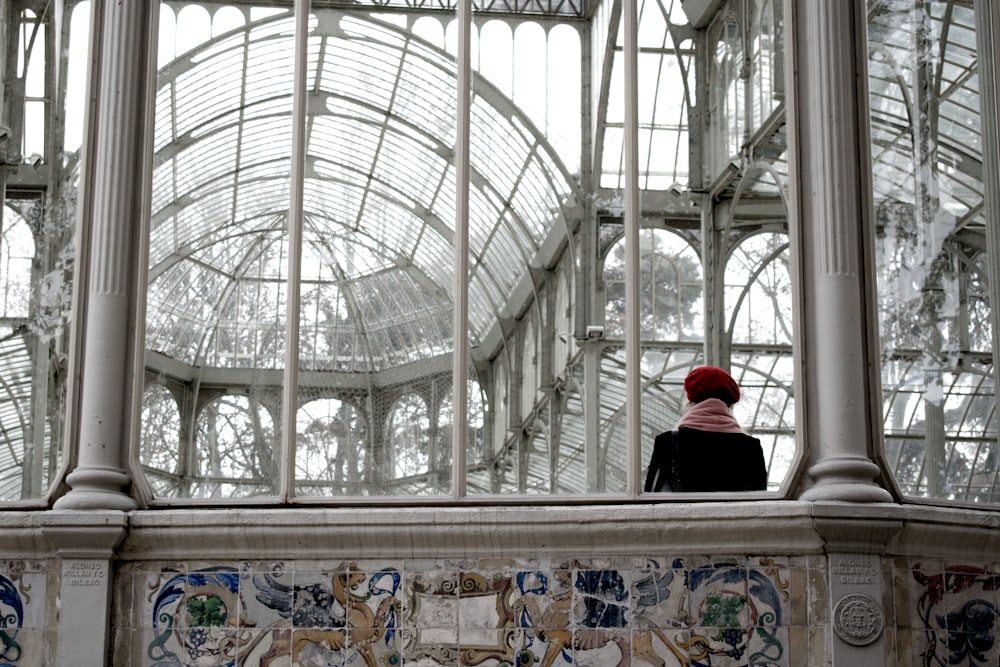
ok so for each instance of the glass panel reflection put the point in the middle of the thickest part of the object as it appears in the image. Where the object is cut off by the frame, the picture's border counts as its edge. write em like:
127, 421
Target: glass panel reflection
934, 306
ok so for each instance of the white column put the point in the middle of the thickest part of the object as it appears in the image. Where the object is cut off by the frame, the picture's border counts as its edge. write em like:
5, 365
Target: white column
830, 183
125, 43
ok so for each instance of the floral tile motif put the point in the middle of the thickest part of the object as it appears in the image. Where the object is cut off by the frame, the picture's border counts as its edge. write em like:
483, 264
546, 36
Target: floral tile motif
718, 596
959, 607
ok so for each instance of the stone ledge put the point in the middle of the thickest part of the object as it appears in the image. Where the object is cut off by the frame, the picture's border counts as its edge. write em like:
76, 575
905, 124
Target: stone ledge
718, 528
732, 528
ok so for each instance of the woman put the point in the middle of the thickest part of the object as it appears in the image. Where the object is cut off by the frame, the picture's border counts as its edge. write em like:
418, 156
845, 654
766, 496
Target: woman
708, 451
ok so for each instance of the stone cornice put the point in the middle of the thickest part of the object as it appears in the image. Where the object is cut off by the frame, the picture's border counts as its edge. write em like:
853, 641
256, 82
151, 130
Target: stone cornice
730, 528
591, 531
716, 528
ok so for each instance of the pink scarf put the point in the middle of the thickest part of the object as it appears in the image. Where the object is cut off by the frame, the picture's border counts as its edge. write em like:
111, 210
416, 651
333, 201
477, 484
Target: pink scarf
710, 415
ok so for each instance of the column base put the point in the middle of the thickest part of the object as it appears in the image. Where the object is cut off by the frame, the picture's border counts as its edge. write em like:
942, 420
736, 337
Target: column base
95, 488
846, 478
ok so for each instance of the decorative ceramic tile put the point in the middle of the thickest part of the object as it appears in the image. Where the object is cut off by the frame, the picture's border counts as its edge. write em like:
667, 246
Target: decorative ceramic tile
597, 647
770, 561
959, 607
431, 599
718, 597
265, 597
601, 598
317, 648
543, 599
264, 647
418, 653
193, 617
319, 599
657, 597
769, 647
374, 598
770, 593
486, 617
666, 647
22, 617
719, 647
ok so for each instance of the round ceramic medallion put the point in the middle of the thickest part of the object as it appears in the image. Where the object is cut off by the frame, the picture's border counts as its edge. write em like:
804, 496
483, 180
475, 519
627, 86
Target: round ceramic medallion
857, 619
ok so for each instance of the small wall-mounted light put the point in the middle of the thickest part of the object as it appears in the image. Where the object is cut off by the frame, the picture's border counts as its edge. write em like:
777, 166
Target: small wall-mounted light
677, 190
35, 160
4, 132
595, 331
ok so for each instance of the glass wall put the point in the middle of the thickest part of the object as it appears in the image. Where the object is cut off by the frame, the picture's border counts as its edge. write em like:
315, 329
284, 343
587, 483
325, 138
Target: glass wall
300, 330
364, 266
933, 252
41, 127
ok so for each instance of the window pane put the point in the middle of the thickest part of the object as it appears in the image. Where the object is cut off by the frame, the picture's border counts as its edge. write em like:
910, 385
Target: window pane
934, 306
218, 246
40, 174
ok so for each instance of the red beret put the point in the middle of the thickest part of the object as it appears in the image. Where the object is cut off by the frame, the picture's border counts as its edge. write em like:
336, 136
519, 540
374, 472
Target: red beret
711, 382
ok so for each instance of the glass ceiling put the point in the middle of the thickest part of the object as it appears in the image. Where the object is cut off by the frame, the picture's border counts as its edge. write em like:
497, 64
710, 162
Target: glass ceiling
379, 199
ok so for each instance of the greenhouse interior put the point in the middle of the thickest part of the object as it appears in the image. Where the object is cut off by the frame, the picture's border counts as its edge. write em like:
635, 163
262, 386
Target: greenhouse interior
340, 333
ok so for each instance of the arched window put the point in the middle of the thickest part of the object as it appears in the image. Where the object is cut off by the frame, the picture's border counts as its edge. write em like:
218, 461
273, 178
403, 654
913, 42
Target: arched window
759, 326
161, 440
235, 449
407, 431
330, 453
670, 282
758, 290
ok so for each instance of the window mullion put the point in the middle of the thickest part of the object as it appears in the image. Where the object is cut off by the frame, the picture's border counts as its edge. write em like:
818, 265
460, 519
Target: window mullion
293, 296
461, 314
988, 44
631, 168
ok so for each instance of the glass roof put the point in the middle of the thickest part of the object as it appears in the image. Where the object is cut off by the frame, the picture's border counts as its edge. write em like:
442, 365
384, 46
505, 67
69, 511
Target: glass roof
379, 198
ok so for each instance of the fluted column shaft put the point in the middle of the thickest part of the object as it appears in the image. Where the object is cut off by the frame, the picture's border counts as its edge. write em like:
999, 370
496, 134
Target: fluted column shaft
830, 176
115, 161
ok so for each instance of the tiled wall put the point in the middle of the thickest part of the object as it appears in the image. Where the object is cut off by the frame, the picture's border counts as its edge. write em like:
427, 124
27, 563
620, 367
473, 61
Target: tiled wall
765, 611
947, 613
489, 612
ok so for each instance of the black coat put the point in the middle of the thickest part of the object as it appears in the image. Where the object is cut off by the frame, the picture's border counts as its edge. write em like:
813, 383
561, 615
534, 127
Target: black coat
692, 460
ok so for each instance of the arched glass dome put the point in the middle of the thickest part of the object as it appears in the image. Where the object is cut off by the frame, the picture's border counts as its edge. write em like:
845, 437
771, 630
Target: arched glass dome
379, 200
